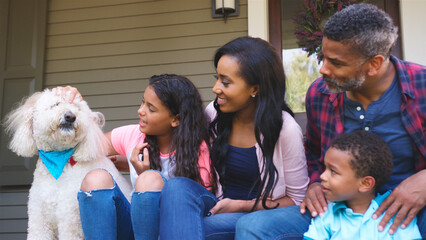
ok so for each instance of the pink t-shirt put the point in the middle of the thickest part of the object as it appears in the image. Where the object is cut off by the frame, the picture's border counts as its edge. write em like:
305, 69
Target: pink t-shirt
124, 139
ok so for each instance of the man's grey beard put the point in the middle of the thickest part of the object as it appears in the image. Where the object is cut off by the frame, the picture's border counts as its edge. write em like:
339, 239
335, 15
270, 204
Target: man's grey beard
347, 85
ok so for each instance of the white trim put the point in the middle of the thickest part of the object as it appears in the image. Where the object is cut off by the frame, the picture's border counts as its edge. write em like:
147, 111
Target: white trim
412, 30
257, 18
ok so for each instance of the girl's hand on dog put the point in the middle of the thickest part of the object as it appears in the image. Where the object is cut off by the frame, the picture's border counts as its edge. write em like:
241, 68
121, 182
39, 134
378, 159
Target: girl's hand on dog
140, 166
68, 93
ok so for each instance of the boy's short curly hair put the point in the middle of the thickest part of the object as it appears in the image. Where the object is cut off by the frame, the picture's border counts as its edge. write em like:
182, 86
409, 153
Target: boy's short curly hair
367, 29
371, 155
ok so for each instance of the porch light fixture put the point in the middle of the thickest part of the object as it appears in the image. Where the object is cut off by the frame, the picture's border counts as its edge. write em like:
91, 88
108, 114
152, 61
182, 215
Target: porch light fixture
224, 8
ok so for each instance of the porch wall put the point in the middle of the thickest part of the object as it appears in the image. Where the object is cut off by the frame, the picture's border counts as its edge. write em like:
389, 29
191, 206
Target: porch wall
109, 49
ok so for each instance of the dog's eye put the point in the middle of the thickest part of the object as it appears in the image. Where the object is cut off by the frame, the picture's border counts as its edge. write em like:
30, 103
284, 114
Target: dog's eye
55, 105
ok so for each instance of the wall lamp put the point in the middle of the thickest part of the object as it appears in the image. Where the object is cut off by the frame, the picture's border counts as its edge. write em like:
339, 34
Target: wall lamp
224, 8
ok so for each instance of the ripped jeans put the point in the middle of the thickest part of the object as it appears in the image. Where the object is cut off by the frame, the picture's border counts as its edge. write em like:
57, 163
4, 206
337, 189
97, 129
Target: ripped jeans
106, 214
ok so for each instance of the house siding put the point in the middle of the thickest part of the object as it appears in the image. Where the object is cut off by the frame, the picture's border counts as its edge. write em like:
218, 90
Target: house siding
109, 49
13, 214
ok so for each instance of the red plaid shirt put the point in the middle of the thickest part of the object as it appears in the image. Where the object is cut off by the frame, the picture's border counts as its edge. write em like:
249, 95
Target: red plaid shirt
325, 117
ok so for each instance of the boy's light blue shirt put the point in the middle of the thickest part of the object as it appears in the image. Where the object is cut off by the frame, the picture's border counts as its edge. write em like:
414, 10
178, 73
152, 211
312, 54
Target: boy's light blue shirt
340, 222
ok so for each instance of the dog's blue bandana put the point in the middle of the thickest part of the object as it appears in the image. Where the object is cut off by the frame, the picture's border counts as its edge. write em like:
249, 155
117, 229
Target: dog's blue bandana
55, 160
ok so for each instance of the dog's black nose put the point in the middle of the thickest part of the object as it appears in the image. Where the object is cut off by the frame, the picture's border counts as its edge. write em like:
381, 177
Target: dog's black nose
69, 117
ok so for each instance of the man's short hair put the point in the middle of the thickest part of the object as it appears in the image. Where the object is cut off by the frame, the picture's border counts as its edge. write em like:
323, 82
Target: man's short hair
365, 28
371, 155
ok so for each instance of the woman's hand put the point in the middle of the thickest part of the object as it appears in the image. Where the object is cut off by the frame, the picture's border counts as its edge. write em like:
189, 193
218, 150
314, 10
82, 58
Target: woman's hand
120, 162
68, 93
228, 205
140, 166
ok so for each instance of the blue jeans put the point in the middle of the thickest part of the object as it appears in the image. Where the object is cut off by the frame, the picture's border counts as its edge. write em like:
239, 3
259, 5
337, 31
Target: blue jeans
145, 214
107, 214
183, 213
287, 223
281, 223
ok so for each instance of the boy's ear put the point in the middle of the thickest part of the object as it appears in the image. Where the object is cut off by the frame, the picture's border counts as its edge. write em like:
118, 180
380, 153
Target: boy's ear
175, 121
367, 184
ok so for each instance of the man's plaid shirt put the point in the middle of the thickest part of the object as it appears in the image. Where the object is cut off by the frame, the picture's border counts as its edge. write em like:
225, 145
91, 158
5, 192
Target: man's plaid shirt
325, 117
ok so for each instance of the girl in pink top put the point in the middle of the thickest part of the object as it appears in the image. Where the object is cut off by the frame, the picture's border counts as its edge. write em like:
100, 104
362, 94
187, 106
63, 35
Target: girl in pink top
169, 141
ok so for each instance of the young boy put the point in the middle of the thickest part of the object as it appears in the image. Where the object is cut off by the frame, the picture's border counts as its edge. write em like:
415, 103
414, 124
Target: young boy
357, 165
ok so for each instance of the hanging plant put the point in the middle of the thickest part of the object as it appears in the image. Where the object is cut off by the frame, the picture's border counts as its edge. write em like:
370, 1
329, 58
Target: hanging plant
308, 31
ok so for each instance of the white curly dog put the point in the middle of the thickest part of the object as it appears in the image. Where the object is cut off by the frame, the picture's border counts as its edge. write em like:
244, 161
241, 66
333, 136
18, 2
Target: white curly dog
47, 125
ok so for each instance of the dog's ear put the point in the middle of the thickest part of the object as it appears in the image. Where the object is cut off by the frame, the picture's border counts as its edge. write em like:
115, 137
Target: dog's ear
94, 139
18, 124
99, 118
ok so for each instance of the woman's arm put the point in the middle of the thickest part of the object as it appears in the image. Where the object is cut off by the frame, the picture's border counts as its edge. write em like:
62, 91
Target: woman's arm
232, 205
